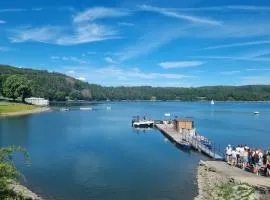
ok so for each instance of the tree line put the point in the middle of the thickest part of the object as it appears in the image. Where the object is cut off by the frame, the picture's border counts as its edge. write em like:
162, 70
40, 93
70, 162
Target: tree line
19, 82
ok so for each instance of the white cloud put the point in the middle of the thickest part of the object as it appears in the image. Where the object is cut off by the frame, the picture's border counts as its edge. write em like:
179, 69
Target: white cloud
46, 34
69, 58
180, 64
71, 72
171, 13
5, 49
88, 33
248, 7
151, 41
240, 44
109, 60
13, 10
230, 72
61, 8
136, 73
95, 13
258, 69
125, 24
255, 80
2, 21
81, 78
254, 56
80, 34
226, 8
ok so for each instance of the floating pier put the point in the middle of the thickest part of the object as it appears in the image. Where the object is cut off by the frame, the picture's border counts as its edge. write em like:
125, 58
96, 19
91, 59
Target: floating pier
169, 131
183, 134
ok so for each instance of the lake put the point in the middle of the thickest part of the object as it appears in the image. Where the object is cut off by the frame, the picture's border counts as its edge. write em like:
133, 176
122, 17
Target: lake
98, 155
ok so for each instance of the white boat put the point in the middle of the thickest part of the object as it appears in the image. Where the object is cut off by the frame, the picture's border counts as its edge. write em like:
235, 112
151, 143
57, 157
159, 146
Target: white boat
64, 109
256, 113
143, 123
84, 109
167, 114
212, 102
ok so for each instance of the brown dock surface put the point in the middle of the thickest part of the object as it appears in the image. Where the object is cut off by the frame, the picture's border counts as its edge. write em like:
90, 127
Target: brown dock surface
170, 131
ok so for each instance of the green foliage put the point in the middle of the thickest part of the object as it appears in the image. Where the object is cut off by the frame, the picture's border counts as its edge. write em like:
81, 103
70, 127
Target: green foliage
8, 171
56, 86
17, 86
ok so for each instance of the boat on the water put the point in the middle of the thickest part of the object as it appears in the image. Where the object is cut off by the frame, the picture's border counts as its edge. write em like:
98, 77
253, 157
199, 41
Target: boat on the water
64, 109
256, 113
143, 123
85, 109
167, 114
212, 102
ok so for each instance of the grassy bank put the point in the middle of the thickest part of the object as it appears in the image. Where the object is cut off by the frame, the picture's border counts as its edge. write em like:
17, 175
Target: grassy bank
7, 107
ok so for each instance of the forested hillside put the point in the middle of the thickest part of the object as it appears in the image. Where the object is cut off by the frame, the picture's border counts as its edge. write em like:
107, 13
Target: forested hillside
57, 86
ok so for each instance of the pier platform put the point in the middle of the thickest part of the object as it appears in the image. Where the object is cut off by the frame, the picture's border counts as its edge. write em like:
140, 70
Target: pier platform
169, 131
188, 141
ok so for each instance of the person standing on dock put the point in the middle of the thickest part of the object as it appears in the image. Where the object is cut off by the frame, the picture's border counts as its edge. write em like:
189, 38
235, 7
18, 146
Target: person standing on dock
229, 154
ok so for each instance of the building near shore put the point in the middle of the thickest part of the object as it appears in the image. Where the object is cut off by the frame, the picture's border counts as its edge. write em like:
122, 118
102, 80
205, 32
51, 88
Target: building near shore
37, 101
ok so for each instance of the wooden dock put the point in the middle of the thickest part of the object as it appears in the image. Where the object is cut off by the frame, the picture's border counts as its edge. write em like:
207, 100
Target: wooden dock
169, 131
198, 145
186, 140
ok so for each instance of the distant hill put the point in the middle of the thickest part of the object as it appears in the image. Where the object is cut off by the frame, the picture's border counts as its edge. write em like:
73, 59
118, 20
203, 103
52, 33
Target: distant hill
57, 86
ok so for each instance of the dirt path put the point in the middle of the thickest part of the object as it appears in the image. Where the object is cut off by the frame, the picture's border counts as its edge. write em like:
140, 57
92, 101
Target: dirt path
218, 180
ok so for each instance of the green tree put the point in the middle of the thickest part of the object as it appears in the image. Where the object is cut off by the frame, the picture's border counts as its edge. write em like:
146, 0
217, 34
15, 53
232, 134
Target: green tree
75, 95
60, 96
8, 171
17, 86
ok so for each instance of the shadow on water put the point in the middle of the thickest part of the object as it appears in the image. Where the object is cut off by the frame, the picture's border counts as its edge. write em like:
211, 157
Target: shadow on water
178, 146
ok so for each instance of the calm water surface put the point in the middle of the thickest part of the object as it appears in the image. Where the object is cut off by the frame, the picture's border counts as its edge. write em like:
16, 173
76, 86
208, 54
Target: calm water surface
97, 155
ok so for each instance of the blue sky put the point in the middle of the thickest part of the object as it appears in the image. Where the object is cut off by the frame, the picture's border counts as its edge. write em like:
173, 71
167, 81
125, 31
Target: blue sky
159, 43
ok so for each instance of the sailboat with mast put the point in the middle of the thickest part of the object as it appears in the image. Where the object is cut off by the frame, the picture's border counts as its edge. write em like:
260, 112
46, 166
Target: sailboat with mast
212, 102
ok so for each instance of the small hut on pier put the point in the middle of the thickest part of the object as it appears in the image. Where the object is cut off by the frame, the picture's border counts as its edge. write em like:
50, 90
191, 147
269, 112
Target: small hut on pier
184, 126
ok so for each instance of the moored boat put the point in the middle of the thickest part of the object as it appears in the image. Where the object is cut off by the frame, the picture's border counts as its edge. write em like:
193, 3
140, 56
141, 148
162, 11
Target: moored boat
64, 109
85, 109
143, 123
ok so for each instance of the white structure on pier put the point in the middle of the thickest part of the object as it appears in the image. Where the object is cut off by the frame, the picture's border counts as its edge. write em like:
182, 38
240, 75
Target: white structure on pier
37, 101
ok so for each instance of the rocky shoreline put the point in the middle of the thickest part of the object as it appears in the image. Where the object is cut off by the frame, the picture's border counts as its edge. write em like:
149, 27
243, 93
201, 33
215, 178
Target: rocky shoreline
217, 180
26, 112
22, 192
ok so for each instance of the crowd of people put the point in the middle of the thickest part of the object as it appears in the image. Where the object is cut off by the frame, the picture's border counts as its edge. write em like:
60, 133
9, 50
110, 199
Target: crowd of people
253, 160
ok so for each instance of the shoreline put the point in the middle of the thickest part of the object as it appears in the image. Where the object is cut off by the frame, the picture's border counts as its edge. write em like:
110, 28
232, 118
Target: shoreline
216, 179
25, 112
22, 191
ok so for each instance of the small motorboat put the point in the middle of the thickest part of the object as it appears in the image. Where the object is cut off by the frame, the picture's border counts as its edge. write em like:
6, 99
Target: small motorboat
64, 109
256, 113
212, 102
167, 114
86, 109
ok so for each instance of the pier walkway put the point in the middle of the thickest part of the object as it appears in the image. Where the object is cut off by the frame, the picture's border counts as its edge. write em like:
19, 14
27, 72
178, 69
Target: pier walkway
198, 145
169, 131
187, 140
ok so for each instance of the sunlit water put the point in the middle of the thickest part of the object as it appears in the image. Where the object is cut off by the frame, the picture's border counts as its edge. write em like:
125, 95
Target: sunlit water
97, 155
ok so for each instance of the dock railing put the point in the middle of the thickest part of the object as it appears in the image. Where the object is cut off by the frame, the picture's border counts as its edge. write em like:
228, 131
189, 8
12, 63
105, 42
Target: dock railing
203, 145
